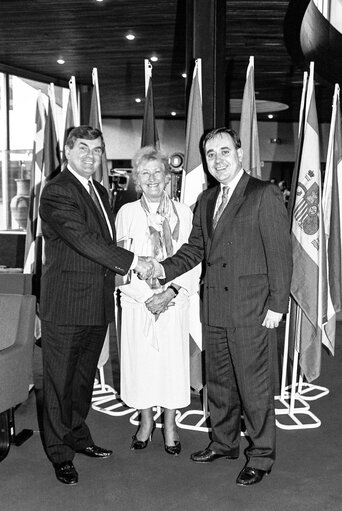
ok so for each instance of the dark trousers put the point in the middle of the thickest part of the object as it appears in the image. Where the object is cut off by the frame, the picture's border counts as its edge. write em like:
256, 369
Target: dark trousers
70, 356
240, 380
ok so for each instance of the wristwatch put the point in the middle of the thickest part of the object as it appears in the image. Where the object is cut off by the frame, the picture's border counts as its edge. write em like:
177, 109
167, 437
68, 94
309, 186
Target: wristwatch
174, 289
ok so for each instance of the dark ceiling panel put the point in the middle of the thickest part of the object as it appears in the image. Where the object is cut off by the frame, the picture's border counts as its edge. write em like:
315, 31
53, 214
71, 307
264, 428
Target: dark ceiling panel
34, 33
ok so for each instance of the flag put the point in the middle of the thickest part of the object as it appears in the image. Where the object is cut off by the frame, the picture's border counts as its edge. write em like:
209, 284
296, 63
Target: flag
332, 209
51, 167
193, 183
249, 127
95, 120
72, 114
36, 179
149, 134
308, 279
299, 149
294, 317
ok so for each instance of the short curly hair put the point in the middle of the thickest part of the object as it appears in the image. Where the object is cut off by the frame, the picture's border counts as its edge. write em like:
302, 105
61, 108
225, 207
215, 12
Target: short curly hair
144, 155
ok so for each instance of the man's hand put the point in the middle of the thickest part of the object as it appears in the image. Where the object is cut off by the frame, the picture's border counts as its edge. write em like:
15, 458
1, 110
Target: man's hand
144, 268
272, 319
148, 267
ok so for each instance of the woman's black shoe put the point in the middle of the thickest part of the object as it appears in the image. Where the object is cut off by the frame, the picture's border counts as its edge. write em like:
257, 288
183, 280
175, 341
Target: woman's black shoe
174, 450
141, 444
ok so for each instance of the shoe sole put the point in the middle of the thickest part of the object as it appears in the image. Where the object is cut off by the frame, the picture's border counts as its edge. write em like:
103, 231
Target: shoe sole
216, 459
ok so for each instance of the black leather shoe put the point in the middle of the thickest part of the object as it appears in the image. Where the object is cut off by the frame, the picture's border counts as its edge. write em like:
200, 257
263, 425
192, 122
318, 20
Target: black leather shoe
66, 472
250, 475
93, 451
207, 456
174, 450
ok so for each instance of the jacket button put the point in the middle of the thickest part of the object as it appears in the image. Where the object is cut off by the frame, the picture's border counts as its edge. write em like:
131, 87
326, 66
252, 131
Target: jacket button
208, 264
224, 265
226, 288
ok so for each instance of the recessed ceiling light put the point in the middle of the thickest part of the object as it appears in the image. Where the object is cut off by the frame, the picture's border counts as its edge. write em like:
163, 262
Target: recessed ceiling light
130, 36
154, 58
173, 113
270, 116
137, 100
184, 75
60, 61
99, 0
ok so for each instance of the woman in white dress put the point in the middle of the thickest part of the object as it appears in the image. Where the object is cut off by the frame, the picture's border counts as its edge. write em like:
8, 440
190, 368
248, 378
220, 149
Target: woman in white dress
155, 319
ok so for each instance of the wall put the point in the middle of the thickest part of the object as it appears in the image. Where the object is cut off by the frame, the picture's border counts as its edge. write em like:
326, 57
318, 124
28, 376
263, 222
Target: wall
123, 137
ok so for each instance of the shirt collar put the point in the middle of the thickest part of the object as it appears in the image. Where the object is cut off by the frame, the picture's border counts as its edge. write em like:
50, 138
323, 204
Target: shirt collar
82, 180
234, 182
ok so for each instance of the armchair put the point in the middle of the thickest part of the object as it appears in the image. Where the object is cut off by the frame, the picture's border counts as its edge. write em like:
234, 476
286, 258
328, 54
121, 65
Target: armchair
17, 317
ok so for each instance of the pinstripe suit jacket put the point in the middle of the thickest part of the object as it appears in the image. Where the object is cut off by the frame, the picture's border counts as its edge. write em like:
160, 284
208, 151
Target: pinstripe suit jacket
81, 257
247, 258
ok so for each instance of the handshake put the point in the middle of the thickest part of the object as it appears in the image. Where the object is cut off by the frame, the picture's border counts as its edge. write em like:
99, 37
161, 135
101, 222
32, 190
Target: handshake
148, 267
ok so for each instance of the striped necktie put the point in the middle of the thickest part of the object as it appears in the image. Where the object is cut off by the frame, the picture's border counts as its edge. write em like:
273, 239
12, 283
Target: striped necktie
224, 200
95, 198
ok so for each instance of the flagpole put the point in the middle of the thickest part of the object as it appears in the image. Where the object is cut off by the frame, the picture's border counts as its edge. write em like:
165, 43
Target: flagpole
52, 96
148, 74
97, 90
74, 102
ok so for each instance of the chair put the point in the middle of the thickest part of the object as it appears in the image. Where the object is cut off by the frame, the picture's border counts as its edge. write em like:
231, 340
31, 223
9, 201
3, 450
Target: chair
17, 318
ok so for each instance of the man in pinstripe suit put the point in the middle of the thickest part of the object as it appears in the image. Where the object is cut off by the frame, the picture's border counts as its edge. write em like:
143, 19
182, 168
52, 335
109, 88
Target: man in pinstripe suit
245, 247
76, 305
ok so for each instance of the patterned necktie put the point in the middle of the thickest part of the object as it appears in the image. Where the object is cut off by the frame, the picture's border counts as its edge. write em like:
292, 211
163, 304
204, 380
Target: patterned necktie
224, 200
95, 198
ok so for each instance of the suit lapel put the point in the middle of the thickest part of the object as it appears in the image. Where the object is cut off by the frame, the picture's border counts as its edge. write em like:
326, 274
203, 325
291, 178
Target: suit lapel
233, 206
211, 208
90, 204
105, 202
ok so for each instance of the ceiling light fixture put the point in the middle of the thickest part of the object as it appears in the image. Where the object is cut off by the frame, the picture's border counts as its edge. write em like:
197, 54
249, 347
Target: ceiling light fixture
173, 114
184, 75
270, 116
60, 61
154, 58
137, 100
130, 36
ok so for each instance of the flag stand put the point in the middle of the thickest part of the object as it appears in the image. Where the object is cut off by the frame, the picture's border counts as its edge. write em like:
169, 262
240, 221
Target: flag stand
293, 398
105, 399
203, 416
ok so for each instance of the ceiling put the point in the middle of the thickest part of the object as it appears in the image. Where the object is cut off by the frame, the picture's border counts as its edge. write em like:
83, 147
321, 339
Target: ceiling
88, 33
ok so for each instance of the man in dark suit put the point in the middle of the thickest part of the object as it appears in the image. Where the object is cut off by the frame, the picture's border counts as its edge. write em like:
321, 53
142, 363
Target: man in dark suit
242, 236
76, 304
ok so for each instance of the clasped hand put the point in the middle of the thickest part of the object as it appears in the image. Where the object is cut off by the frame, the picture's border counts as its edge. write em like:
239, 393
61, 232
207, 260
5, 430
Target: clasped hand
159, 302
148, 267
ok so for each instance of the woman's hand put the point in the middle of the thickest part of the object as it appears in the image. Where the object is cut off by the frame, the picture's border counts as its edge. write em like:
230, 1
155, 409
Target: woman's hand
159, 302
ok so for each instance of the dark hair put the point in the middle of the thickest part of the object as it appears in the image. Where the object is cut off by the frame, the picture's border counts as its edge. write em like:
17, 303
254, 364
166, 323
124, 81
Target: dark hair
218, 131
86, 132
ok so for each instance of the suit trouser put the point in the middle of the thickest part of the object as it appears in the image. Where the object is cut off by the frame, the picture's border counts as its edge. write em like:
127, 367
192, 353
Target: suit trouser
70, 356
239, 375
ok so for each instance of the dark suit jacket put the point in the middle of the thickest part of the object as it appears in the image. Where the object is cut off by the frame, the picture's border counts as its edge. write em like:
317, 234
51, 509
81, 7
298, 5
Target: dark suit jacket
81, 257
247, 259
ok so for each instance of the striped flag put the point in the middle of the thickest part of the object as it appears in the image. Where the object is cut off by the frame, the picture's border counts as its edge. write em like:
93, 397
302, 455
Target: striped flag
249, 127
308, 286
193, 183
72, 111
332, 210
35, 185
95, 120
51, 167
149, 134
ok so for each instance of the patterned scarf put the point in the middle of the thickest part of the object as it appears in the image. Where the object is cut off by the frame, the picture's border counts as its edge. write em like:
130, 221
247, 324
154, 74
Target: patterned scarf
163, 228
